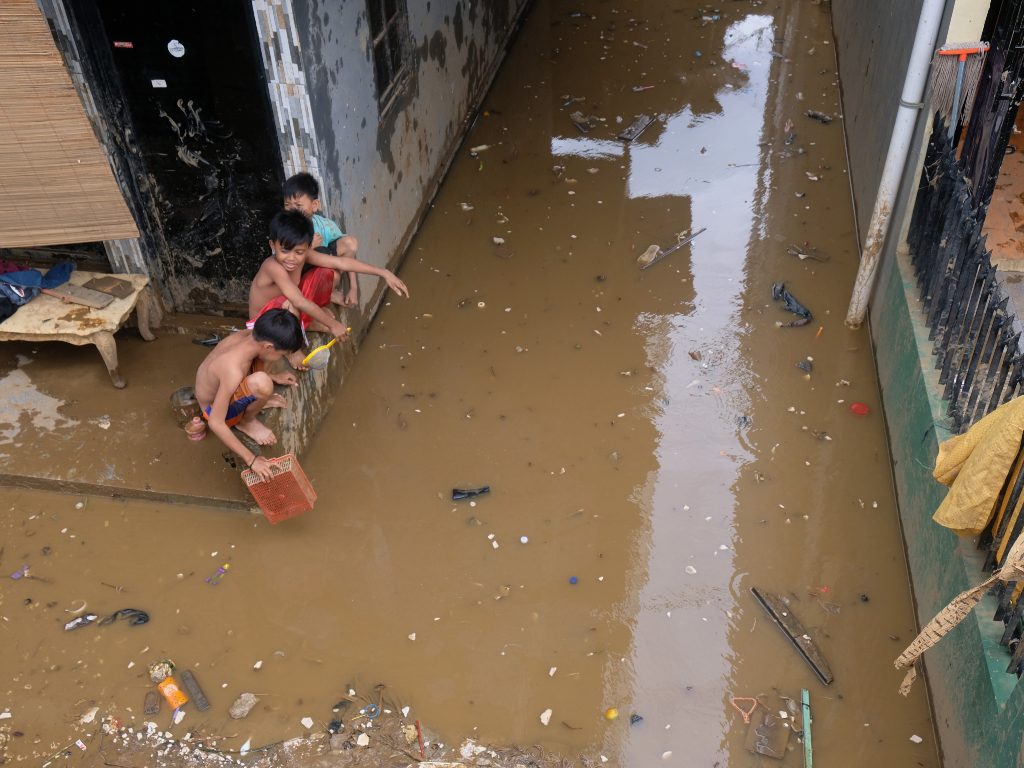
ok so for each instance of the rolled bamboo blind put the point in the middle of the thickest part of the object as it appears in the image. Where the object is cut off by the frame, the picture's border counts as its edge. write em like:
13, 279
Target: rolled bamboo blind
55, 183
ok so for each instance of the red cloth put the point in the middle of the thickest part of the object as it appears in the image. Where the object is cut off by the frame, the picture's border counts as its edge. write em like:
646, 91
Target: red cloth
10, 266
316, 285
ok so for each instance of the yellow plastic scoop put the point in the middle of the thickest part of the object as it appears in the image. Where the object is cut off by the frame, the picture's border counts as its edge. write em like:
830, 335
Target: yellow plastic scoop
319, 357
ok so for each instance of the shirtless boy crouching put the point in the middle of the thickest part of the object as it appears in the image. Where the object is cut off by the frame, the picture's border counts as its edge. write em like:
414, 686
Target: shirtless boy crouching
232, 387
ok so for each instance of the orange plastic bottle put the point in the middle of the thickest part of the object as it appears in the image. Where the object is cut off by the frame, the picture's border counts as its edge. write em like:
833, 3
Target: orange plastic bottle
173, 693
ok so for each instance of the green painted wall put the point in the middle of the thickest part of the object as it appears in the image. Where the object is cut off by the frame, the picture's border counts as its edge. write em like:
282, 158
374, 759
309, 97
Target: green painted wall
978, 708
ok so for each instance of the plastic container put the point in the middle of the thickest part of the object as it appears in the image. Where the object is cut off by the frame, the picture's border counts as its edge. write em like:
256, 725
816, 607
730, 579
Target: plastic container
196, 428
860, 409
173, 693
185, 406
286, 495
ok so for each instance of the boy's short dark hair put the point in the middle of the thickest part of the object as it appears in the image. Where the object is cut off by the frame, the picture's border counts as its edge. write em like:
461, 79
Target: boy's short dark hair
302, 184
281, 328
291, 229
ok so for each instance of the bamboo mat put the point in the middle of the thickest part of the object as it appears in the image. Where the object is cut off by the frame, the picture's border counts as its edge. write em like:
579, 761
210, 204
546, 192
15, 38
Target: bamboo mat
56, 186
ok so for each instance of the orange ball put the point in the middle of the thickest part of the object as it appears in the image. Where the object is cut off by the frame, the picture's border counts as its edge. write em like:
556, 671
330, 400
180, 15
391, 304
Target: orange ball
611, 714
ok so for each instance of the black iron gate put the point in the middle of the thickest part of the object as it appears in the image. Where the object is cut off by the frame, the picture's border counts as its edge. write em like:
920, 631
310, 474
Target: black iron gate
975, 333
976, 348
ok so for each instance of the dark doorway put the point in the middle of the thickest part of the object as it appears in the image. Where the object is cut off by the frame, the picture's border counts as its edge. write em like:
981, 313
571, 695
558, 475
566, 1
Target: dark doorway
191, 78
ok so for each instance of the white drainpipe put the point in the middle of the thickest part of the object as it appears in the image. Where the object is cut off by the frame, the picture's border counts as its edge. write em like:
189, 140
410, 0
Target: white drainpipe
896, 159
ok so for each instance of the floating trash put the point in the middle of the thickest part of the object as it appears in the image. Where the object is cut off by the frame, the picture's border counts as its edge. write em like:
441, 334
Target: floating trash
242, 706
81, 621
792, 305
459, 493
638, 126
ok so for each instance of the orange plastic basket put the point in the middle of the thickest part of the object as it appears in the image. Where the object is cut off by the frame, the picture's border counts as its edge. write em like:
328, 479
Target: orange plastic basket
286, 495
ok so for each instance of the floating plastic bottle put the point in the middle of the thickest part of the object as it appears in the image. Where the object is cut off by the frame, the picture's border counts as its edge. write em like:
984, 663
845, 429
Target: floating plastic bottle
196, 428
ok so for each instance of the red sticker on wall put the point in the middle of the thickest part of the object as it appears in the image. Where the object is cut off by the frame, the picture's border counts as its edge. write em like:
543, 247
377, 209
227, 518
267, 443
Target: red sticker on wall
122, 45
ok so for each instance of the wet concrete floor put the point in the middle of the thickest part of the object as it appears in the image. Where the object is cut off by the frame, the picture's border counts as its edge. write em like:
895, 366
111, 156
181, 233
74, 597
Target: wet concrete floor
646, 432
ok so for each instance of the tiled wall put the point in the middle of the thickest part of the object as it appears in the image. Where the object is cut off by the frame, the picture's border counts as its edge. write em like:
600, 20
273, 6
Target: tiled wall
279, 46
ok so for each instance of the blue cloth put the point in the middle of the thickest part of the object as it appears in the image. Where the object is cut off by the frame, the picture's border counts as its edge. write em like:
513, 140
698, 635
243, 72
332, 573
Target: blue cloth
17, 295
33, 278
327, 229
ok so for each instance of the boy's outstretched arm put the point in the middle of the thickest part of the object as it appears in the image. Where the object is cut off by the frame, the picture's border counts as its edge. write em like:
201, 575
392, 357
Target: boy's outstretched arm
346, 264
294, 295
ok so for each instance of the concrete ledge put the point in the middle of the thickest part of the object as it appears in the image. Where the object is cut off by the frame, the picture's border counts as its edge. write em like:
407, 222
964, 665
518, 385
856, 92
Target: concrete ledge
75, 488
978, 715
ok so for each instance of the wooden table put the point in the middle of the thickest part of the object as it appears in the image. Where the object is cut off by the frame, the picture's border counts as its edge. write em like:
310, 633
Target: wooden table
47, 318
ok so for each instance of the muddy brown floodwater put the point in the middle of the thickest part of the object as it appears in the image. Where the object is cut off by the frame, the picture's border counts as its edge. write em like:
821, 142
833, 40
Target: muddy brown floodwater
652, 449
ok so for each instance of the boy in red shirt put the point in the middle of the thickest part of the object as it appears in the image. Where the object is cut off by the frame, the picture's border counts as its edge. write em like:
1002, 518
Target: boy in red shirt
282, 283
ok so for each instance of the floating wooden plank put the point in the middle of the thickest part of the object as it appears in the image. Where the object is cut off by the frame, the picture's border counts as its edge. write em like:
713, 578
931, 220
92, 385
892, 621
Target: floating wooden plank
194, 692
152, 704
637, 127
805, 706
794, 630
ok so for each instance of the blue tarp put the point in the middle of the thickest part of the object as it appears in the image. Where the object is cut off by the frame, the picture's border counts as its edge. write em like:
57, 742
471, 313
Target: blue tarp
33, 278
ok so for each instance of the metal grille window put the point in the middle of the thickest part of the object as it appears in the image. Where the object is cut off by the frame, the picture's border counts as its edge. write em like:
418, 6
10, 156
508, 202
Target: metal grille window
388, 23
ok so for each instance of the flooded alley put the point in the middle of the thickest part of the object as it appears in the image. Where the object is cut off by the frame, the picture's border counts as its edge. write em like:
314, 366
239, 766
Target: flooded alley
656, 443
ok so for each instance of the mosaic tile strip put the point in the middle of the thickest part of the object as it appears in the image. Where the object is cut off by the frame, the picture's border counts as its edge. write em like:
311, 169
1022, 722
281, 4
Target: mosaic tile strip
279, 46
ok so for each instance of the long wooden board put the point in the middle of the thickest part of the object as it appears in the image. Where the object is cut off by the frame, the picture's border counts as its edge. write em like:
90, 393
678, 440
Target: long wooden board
77, 294
794, 630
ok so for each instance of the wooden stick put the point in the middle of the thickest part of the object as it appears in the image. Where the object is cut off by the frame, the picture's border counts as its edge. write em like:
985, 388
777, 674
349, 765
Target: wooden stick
805, 705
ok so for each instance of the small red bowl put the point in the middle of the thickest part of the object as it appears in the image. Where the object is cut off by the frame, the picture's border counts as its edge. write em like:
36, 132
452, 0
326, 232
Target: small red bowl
860, 409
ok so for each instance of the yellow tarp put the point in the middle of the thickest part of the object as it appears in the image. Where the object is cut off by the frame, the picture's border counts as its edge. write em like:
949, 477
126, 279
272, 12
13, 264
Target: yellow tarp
975, 466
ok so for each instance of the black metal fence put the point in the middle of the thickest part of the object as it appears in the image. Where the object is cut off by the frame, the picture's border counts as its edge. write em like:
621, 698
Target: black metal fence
976, 342
976, 348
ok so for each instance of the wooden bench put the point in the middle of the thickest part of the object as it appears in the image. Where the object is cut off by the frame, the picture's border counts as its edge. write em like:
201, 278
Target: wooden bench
48, 318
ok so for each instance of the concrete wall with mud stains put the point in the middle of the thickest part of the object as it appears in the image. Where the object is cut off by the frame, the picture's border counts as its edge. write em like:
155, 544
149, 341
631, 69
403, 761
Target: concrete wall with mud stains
873, 42
978, 708
379, 172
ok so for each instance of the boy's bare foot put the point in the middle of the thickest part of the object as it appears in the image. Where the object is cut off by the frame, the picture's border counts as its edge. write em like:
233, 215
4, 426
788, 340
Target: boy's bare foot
257, 431
276, 401
337, 297
295, 360
316, 325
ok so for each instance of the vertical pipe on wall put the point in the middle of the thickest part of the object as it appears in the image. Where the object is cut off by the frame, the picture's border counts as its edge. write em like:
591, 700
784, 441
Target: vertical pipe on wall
896, 158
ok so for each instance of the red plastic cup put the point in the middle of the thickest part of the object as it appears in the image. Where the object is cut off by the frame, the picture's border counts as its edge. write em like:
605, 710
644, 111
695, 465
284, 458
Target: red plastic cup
860, 409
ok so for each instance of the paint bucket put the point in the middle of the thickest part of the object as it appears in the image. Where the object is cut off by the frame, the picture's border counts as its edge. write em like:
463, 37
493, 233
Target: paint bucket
185, 406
